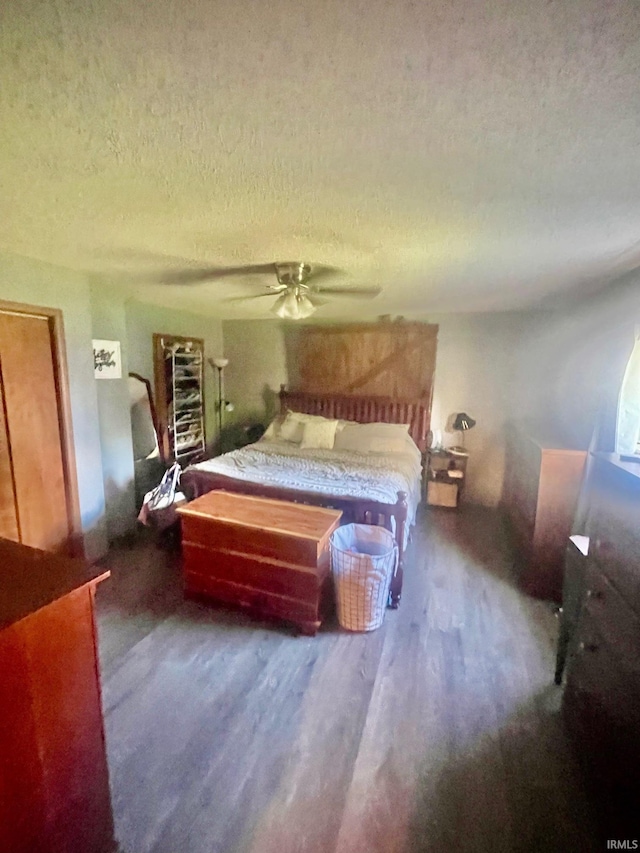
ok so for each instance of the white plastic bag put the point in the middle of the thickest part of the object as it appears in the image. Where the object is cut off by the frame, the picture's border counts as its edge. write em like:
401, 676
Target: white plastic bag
162, 497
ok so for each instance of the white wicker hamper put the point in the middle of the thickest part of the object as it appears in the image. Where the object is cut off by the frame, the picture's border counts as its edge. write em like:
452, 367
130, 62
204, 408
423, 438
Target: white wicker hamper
364, 558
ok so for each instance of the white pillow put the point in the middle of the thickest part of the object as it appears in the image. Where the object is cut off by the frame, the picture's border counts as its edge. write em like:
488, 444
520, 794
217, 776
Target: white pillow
357, 436
291, 428
378, 427
319, 434
386, 444
272, 432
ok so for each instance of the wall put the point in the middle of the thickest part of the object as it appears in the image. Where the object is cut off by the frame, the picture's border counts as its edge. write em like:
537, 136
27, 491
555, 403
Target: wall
559, 368
257, 367
109, 323
100, 408
35, 283
115, 317
474, 373
571, 362
144, 320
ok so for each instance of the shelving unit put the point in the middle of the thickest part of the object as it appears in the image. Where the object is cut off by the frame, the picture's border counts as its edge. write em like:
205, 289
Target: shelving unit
179, 380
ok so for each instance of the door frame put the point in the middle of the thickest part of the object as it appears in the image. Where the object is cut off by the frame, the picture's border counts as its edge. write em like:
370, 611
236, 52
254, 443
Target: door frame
55, 322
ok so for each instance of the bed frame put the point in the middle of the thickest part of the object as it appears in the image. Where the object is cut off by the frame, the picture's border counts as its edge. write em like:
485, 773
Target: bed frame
363, 410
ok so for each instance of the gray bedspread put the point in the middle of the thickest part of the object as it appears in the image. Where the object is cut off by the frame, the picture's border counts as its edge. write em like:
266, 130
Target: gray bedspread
370, 476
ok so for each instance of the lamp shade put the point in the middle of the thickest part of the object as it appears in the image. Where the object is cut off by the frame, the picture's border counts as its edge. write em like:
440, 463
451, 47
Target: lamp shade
305, 307
293, 305
220, 363
463, 422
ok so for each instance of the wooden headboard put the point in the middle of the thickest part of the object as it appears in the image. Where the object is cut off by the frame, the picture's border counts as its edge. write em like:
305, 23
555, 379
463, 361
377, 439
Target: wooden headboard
364, 410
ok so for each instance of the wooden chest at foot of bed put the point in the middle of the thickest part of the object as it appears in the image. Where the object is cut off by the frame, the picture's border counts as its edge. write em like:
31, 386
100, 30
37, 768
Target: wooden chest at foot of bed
269, 556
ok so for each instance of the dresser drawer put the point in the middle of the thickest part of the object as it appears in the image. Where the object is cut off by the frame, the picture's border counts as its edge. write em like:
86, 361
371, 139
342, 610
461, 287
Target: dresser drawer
601, 709
602, 696
614, 529
616, 553
604, 691
614, 620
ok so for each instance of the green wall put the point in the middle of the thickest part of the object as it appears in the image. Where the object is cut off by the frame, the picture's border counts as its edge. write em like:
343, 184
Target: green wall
571, 363
92, 308
35, 283
257, 367
557, 367
144, 320
473, 374
109, 322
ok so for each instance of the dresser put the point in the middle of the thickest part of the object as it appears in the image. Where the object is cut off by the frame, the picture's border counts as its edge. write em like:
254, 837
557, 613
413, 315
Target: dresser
541, 487
601, 703
54, 787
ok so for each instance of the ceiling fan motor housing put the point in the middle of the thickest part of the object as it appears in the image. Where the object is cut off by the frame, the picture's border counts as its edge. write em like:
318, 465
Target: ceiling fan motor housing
292, 273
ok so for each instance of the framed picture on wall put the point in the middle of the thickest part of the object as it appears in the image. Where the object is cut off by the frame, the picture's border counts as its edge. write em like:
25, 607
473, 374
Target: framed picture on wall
107, 361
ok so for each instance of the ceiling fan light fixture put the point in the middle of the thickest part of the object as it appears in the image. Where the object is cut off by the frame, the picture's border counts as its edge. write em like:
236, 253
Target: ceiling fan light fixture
293, 305
305, 307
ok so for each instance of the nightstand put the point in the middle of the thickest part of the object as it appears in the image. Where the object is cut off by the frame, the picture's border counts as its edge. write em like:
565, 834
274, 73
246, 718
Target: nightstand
446, 475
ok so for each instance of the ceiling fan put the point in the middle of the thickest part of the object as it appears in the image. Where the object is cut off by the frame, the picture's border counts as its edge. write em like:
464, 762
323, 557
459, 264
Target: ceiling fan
296, 287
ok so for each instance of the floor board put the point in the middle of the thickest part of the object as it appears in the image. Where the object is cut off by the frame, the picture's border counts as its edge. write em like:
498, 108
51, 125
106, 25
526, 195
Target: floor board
438, 732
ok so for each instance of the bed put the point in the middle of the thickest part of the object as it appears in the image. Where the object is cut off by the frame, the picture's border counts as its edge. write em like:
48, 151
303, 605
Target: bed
376, 487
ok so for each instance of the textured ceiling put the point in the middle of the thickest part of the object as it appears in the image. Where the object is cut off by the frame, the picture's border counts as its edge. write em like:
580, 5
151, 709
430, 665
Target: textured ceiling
463, 155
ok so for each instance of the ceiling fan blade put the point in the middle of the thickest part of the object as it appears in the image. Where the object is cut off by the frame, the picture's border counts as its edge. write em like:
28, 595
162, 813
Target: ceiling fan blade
301, 273
351, 292
249, 269
320, 271
197, 275
254, 296
190, 275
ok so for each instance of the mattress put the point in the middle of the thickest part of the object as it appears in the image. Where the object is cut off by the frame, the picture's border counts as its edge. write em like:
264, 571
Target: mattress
338, 473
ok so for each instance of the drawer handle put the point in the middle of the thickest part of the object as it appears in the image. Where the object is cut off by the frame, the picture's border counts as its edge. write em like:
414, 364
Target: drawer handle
595, 594
588, 647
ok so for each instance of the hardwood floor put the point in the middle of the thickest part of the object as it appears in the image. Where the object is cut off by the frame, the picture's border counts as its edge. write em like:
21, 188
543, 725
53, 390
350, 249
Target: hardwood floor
438, 732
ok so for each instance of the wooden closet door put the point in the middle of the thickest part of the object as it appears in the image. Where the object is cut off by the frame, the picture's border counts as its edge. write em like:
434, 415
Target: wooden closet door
8, 509
32, 426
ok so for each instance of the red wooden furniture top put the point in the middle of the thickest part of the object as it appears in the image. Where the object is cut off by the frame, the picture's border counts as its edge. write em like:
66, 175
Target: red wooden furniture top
282, 517
52, 753
31, 579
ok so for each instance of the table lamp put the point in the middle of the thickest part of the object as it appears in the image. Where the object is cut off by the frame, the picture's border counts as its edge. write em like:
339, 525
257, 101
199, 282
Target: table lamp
462, 422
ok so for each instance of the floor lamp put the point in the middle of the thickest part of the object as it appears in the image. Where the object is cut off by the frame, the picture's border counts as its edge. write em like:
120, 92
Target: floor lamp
219, 364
